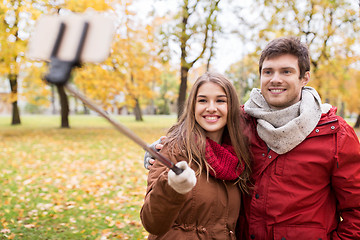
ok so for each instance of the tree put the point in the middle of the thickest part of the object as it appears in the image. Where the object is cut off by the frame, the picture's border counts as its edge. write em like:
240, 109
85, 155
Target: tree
35, 91
127, 77
168, 89
135, 57
244, 76
353, 93
330, 29
15, 18
195, 34
72, 6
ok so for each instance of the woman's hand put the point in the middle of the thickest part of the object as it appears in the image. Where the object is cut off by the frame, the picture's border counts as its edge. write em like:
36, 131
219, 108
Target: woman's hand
185, 181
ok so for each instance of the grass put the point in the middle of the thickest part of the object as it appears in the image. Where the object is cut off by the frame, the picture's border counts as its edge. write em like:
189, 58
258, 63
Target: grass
86, 182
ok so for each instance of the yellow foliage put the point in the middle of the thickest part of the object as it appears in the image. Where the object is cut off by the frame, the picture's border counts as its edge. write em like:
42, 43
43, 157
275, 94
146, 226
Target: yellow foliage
82, 5
35, 91
353, 91
134, 58
330, 29
337, 82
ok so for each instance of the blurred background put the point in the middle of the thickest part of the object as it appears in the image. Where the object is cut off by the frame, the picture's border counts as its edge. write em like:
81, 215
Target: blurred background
160, 47
66, 173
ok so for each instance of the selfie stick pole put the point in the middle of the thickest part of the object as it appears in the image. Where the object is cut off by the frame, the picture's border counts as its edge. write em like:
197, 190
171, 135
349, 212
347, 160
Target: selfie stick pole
59, 73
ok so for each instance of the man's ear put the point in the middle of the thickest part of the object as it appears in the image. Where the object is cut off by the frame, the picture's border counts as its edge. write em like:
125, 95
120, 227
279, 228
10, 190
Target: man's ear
306, 78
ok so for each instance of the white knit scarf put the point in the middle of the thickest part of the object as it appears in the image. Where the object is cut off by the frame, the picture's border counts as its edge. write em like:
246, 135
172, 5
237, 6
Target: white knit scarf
284, 129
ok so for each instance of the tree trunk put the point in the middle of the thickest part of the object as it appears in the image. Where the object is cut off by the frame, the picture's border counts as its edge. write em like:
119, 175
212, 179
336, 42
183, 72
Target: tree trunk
342, 110
53, 99
76, 105
357, 123
137, 111
15, 108
86, 109
182, 92
64, 104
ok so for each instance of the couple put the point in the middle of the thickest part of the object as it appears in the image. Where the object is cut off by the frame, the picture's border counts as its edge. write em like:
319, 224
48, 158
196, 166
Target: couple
298, 179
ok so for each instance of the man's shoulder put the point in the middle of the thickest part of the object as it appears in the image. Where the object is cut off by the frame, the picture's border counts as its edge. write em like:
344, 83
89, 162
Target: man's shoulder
246, 116
332, 116
344, 129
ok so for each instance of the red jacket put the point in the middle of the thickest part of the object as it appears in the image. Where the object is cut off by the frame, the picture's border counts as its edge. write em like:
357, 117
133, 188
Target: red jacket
302, 194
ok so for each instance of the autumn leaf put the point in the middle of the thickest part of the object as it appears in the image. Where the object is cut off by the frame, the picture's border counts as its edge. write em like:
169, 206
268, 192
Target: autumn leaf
87, 182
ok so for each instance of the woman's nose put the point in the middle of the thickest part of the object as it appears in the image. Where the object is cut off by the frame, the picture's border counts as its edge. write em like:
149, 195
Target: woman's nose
211, 107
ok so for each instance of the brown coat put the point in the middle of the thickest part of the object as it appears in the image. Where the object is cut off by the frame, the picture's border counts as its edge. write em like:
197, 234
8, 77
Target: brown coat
209, 211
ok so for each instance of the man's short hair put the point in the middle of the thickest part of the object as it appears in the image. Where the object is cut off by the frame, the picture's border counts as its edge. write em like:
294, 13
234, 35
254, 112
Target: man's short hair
287, 45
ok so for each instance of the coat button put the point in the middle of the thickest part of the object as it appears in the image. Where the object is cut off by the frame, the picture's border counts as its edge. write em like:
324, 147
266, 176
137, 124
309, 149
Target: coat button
257, 196
332, 127
263, 154
317, 130
252, 236
269, 156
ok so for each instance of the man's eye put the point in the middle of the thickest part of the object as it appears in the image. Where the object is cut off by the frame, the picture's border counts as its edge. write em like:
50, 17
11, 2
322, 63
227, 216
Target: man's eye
267, 72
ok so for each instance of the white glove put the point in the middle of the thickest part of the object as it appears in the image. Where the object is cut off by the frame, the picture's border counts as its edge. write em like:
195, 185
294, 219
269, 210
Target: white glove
183, 182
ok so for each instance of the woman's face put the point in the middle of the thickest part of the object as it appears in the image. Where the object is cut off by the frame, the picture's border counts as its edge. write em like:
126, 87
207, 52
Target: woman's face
211, 110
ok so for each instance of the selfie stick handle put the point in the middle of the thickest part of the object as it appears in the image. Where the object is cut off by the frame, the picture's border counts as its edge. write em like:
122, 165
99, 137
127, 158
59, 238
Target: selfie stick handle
59, 74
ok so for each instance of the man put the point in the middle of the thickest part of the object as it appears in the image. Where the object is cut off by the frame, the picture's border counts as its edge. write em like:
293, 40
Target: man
306, 169
306, 159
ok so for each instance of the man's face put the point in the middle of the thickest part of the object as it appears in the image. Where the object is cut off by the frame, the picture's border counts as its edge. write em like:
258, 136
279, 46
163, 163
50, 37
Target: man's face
280, 83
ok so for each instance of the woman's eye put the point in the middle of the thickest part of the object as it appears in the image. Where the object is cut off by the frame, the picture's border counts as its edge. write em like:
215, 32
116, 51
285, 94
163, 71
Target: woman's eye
201, 100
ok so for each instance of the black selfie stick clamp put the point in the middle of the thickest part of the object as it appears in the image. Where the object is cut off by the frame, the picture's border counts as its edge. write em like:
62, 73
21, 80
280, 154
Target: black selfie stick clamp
60, 70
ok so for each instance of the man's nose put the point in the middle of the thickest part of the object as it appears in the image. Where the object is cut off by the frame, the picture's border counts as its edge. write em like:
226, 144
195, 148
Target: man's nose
276, 78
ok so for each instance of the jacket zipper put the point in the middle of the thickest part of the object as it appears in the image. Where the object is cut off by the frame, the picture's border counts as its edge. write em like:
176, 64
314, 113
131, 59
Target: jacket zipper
332, 121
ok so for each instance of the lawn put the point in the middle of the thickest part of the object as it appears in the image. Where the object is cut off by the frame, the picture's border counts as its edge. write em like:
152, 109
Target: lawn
86, 182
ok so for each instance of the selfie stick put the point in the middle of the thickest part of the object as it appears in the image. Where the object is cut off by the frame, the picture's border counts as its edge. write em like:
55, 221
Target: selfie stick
59, 74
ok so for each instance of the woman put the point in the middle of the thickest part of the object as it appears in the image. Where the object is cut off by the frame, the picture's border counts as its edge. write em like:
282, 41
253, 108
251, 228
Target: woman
203, 202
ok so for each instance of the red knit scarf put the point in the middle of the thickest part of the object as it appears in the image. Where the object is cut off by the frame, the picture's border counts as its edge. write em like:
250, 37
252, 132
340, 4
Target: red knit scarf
222, 158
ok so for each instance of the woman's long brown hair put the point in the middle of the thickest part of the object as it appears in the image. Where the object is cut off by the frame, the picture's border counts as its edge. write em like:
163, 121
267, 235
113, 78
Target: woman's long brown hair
188, 139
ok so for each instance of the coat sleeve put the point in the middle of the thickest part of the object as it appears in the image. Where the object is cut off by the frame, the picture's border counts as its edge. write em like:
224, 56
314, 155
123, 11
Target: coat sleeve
346, 183
162, 203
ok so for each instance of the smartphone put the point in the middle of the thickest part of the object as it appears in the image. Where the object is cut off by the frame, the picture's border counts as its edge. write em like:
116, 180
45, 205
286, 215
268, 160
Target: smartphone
97, 43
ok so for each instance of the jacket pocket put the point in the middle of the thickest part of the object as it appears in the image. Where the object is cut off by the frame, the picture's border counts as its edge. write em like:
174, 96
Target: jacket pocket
299, 232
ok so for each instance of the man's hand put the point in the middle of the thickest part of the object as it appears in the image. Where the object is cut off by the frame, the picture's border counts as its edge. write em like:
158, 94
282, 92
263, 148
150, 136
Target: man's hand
157, 145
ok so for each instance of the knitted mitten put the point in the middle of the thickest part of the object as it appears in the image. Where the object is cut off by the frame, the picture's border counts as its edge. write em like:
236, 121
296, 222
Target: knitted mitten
183, 182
